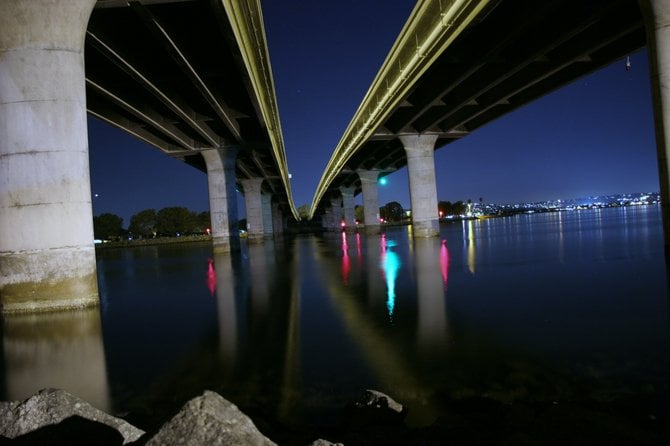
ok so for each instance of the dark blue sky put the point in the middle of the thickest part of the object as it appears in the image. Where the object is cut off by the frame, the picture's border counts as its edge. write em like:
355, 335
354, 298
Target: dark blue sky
592, 137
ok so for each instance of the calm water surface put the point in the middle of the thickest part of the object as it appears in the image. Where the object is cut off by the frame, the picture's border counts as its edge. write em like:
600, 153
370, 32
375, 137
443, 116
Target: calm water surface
546, 307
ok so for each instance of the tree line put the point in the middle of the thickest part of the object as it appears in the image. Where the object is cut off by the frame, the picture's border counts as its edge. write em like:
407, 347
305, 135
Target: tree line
149, 223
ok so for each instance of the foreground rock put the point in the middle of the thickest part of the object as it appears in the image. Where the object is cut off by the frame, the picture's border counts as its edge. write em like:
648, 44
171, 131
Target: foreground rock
210, 419
374, 408
57, 415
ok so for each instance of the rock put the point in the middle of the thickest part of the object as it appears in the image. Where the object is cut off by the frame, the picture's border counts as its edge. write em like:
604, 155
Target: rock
374, 408
56, 412
321, 442
210, 419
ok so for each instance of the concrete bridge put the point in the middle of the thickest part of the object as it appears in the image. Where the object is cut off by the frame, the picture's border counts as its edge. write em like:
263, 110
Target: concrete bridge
190, 77
459, 65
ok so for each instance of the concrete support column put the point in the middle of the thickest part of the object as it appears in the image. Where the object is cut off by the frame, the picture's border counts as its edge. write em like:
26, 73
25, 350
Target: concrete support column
252, 200
657, 23
348, 206
222, 199
47, 257
336, 213
277, 220
369, 180
422, 187
326, 220
266, 204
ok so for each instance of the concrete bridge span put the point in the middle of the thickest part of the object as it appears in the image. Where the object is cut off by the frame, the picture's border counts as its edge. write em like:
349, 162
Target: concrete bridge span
190, 77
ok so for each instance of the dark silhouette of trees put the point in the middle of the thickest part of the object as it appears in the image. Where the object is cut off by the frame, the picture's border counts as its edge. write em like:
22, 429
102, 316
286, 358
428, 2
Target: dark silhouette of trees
391, 211
107, 226
447, 208
143, 224
359, 213
176, 221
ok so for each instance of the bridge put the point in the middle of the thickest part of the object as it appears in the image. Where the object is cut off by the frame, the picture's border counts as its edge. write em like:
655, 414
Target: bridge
459, 65
190, 77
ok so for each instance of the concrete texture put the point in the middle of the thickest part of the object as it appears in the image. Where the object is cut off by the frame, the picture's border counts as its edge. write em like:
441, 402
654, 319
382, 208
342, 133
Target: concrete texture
254, 207
222, 198
370, 188
266, 204
348, 207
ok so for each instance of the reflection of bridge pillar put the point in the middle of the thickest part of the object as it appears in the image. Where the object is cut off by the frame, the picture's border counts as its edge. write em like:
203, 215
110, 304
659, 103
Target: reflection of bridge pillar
222, 197
47, 258
60, 350
432, 323
370, 200
252, 201
422, 187
277, 220
266, 204
336, 207
657, 21
348, 206
226, 304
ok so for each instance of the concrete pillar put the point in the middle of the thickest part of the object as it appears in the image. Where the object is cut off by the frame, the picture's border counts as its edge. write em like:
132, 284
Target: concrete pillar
369, 180
422, 189
252, 200
327, 219
336, 211
266, 204
277, 220
222, 197
348, 206
657, 23
47, 257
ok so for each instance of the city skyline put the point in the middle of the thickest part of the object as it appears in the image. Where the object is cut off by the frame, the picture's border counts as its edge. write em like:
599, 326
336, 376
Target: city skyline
593, 137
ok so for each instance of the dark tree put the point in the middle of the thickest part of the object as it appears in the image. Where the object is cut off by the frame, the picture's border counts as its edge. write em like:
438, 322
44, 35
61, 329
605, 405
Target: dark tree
359, 213
391, 211
303, 212
143, 224
107, 226
175, 221
204, 221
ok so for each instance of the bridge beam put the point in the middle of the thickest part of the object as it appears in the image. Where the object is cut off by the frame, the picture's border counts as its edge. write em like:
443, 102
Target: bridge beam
369, 180
222, 199
657, 22
254, 207
348, 206
47, 257
420, 151
266, 204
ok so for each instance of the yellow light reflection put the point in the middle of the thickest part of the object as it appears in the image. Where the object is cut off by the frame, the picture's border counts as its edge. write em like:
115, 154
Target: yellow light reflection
471, 247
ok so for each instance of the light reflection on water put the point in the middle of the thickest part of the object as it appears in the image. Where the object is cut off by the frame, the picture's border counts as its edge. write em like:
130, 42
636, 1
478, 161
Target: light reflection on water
562, 305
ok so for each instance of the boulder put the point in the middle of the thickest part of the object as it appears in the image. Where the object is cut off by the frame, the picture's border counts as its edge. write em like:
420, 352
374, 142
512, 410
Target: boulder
210, 419
374, 408
58, 414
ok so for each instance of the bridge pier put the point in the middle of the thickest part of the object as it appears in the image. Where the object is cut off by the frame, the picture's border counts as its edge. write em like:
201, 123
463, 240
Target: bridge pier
252, 201
657, 23
266, 204
222, 200
348, 206
336, 206
277, 220
47, 257
369, 180
420, 151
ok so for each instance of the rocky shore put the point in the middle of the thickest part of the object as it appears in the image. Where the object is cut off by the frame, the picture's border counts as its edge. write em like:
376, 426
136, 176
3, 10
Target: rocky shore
55, 417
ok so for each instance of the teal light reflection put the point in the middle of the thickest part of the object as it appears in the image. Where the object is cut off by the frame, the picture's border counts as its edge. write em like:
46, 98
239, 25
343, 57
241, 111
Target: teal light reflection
390, 264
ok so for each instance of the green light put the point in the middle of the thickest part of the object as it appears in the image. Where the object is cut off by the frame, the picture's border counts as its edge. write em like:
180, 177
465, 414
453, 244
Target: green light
382, 181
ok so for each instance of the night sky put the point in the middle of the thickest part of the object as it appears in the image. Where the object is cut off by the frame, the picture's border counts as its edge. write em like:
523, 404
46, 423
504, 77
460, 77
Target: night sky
593, 137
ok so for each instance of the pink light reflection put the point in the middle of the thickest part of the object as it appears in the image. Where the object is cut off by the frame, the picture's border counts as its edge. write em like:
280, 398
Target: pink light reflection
444, 262
211, 277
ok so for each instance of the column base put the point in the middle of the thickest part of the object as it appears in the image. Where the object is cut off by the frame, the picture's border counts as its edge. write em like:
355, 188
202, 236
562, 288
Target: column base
225, 244
373, 229
429, 228
54, 280
255, 238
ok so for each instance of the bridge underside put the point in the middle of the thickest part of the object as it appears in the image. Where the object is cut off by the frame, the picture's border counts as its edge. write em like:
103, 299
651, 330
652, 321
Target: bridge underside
513, 54
181, 88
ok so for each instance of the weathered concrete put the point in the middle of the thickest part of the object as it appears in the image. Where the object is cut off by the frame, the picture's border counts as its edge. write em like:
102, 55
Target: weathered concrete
254, 207
422, 187
277, 220
336, 214
47, 258
326, 220
348, 206
210, 419
370, 188
657, 23
266, 204
222, 197
50, 407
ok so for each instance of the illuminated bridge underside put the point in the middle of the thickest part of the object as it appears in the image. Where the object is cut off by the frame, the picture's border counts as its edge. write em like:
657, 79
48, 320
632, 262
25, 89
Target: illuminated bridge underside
512, 53
185, 76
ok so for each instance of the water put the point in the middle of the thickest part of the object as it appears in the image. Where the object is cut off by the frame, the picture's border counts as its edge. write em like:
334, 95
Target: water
541, 307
